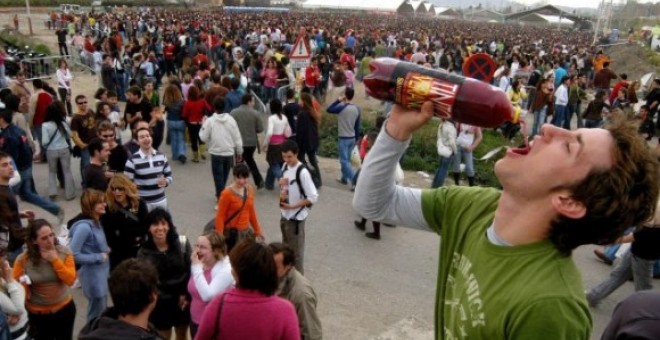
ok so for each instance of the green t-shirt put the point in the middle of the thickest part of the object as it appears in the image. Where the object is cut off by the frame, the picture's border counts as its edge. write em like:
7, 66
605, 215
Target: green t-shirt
487, 291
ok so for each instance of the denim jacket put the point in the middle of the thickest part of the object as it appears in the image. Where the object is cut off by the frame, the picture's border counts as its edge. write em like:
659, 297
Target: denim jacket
88, 245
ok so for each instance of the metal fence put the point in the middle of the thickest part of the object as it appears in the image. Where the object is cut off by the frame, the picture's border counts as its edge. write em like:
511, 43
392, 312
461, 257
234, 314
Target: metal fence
45, 67
39, 67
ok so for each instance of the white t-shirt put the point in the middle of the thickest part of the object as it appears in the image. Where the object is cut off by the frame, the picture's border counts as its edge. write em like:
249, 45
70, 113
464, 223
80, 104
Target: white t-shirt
465, 135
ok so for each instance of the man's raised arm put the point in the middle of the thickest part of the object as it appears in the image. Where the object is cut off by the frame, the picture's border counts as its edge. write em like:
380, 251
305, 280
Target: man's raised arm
377, 197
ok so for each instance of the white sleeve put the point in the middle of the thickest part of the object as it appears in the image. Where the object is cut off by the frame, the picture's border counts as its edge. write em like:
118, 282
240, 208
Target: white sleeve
377, 197
308, 185
207, 291
269, 130
204, 132
13, 304
236, 134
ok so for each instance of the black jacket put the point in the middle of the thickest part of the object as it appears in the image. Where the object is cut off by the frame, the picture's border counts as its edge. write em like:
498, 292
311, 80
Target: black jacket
125, 232
307, 132
173, 268
109, 327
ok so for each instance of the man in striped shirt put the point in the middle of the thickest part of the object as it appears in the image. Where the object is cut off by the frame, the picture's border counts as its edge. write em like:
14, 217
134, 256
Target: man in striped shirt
150, 171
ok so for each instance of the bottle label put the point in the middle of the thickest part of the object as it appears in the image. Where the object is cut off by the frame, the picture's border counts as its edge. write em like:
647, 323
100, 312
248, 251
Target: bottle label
416, 85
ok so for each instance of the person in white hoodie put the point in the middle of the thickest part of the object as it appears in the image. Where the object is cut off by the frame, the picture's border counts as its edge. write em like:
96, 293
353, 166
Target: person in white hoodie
12, 302
561, 102
223, 139
446, 144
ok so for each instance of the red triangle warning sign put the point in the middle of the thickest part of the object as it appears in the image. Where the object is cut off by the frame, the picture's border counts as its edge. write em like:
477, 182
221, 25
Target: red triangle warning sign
300, 49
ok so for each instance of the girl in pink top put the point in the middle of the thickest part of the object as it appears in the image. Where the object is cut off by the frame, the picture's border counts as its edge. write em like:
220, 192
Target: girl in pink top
210, 274
251, 311
269, 73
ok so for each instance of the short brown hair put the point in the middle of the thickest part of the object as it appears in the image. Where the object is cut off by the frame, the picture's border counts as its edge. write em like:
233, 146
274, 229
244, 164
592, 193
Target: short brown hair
105, 125
254, 266
617, 198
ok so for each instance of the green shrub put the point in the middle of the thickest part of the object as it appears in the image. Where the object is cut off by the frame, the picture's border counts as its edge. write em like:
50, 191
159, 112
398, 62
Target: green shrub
422, 154
22, 41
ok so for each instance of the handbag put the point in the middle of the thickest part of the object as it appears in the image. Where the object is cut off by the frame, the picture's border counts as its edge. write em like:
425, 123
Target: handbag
231, 234
76, 152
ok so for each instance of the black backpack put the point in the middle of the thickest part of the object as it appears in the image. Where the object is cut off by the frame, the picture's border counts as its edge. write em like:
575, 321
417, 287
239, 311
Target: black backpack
298, 182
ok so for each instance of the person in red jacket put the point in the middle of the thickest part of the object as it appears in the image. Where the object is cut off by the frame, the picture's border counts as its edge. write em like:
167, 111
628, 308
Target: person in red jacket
39, 102
169, 52
313, 78
200, 57
193, 112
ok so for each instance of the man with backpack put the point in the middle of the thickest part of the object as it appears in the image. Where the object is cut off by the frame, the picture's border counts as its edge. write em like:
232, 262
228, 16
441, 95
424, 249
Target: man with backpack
297, 194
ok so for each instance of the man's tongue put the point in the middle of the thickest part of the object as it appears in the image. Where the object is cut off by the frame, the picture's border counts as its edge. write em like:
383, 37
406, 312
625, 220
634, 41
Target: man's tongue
525, 148
521, 151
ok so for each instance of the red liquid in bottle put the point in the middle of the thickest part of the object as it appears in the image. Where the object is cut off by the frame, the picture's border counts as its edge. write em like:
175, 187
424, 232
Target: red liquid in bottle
454, 97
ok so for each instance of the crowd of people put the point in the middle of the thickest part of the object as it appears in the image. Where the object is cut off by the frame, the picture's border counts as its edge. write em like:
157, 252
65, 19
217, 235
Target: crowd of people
211, 69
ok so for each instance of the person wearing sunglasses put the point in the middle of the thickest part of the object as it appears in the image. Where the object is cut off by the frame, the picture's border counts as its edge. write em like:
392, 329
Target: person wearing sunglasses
123, 221
118, 155
83, 130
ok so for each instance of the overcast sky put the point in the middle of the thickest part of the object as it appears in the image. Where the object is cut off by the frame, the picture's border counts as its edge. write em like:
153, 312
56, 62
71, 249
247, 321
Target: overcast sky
573, 3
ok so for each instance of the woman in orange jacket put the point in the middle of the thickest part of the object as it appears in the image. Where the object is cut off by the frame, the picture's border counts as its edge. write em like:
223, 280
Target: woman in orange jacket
236, 212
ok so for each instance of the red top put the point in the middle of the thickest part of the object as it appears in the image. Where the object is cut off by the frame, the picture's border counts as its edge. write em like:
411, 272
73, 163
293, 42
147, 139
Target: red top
168, 51
347, 58
199, 58
89, 46
193, 110
43, 100
312, 76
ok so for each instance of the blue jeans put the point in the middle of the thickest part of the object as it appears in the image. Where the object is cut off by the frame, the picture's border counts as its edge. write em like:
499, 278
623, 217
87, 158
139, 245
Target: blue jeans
593, 123
220, 168
466, 157
84, 162
274, 172
27, 193
176, 130
128, 75
560, 115
574, 108
36, 132
639, 269
269, 93
539, 120
95, 307
121, 86
441, 173
346, 146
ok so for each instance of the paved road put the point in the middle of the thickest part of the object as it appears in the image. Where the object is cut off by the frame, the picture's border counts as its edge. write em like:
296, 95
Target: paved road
367, 289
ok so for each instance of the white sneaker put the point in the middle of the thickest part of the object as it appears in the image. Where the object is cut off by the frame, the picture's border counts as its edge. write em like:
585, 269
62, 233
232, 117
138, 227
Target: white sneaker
60, 216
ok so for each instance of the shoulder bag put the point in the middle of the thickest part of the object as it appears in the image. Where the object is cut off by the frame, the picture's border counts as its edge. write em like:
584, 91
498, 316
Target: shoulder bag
231, 234
216, 329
